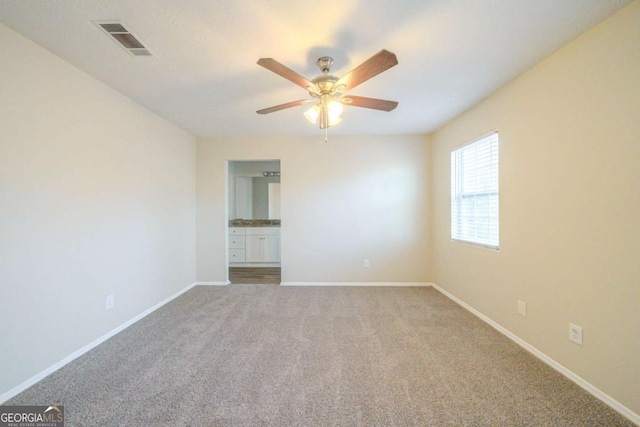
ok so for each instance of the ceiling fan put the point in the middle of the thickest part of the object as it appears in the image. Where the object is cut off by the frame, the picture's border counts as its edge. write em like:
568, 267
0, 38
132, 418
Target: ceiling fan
328, 91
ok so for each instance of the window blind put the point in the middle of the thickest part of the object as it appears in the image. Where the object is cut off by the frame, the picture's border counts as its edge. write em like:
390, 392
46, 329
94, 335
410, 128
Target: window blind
474, 192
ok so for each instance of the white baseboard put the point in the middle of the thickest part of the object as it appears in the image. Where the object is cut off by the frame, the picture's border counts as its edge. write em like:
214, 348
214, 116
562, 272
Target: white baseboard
212, 283
51, 369
596, 392
355, 284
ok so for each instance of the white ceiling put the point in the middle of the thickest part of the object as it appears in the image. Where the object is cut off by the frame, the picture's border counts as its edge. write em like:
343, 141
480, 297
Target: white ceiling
203, 76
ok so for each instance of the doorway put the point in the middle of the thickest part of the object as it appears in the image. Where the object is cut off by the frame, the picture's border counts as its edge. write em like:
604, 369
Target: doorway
253, 207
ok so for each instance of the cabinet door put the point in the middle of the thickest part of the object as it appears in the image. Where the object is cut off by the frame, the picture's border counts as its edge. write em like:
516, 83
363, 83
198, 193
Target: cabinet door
253, 249
271, 249
236, 255
236, 242
236, 231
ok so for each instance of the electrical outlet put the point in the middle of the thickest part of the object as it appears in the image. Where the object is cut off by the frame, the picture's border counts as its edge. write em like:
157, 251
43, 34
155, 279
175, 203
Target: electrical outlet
522, 308
109, 303
575, 333
366, 263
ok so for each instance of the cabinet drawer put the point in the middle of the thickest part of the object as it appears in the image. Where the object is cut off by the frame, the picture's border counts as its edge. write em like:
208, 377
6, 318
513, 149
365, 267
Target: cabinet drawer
262, 231
236, 255
236, 231
236, 242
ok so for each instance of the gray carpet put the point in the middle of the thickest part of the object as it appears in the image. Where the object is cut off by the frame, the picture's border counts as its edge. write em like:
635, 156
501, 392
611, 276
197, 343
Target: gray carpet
334, 356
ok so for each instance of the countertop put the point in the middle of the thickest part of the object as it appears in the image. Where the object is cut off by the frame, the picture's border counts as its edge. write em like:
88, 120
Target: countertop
254, 223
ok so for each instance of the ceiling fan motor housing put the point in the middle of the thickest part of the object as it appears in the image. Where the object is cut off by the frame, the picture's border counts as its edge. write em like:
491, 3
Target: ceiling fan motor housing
325, 84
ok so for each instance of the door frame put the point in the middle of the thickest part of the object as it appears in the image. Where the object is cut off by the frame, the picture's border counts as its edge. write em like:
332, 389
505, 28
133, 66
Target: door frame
227, 189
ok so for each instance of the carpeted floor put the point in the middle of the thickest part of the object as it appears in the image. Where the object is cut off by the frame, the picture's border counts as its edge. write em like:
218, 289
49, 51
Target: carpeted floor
314, 356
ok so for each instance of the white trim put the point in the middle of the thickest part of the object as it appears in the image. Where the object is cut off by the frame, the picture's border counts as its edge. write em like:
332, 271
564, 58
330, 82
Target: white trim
355, 284
477, 245
51, 369
593, 390
476, 139
213, 283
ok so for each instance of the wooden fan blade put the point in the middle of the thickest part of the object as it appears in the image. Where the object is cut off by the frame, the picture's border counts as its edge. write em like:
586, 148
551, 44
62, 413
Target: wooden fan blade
373, 66
373, 103
273, 65
284, 106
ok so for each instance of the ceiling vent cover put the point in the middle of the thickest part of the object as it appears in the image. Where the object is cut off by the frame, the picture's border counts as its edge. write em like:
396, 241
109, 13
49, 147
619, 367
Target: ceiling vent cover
124, 38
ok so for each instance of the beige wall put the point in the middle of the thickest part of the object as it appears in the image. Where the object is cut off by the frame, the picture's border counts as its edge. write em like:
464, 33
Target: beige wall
569, 207
344, 201
97, 197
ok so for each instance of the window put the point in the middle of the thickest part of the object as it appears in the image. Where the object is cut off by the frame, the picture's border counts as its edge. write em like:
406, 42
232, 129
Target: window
474, 192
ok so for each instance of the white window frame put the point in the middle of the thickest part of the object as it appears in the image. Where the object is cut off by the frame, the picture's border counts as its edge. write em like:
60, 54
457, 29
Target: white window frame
475, 196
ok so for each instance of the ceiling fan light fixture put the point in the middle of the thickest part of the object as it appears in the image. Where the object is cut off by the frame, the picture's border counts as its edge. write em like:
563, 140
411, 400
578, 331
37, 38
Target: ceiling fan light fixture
335, 121
326, 112
334, 110
313, 113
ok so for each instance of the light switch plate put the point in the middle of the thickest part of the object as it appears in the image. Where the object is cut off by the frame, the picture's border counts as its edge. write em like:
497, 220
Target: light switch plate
109, 303
575, 333
522, 308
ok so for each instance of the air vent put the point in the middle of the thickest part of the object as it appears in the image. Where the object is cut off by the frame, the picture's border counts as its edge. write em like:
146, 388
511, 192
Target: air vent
119, 33
113, 28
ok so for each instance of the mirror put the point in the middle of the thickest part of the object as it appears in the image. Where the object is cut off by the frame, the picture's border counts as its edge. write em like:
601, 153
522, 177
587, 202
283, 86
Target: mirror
257, 197
252, 195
